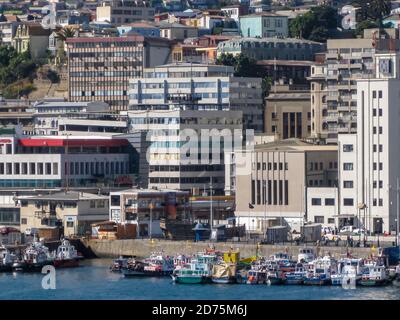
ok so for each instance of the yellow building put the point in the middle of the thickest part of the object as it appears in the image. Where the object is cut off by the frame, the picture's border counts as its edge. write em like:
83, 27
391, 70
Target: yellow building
72, 211
31, 36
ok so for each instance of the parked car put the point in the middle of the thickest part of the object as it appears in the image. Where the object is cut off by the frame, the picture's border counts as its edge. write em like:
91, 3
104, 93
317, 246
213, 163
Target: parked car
359, 231
347, 229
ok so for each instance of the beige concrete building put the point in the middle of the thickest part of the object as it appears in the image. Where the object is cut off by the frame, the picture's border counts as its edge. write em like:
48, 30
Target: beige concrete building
176, 31
287, 112
73, 211
120, 12
272, 180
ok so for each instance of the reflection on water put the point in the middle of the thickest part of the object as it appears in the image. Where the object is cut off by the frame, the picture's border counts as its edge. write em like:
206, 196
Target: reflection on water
94, 281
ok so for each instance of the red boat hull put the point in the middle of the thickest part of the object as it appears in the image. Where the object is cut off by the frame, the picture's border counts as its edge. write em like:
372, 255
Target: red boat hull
70, 263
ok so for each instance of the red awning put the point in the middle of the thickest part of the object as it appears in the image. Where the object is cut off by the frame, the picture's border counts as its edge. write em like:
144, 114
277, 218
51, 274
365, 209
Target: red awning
72, 142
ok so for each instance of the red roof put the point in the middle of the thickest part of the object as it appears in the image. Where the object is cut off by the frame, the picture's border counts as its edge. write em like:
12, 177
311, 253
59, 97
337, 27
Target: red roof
72, 142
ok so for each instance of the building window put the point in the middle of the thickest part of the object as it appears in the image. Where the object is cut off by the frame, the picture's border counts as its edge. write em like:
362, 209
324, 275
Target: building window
55, 168
380, 94
380, 148
48, 168
347, 148
316, 201
331, 220
92, 204
348, 184
381, 202
348, 202
24, 220
329, 201
374, 94
380, 166
319, 219
70, 224
348, 166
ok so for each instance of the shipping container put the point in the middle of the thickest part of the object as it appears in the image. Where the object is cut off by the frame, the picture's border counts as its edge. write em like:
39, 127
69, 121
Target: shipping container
277, 234
311, 232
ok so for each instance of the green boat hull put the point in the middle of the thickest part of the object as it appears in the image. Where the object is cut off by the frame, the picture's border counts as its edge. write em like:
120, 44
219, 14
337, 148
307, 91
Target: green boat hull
191, 280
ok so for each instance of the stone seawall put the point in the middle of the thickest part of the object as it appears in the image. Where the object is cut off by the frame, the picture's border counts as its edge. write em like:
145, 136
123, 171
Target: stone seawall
143, 248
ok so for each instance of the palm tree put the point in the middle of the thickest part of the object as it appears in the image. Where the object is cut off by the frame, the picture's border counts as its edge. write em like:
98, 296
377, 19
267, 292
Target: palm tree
374, 10
66, 32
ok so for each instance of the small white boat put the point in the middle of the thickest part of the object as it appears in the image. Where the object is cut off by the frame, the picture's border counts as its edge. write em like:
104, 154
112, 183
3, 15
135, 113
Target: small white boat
374, 275
6, 259
305, 255
66, 255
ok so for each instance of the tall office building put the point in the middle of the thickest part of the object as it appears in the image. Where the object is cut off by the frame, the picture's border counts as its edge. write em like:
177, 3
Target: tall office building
178, 155
378, 139
99, 68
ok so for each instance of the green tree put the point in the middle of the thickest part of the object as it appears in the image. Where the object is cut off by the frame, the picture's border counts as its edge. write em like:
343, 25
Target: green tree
366, 24
318, 21
65, 33
374, 10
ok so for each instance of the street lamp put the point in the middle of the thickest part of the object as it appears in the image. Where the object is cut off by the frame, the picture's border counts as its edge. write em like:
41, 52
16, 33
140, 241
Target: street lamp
361, 206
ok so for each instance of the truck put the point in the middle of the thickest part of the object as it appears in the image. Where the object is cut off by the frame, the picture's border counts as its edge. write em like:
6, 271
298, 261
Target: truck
311, 232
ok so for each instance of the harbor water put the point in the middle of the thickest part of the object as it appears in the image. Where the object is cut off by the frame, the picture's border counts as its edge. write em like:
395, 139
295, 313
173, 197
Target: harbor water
93, 281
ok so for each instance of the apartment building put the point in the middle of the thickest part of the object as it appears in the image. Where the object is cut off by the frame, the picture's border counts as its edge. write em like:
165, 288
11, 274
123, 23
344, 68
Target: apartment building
333, 85
272, 181
8, 28
269, 48
119, 12
287, 112
63, 161
264, 25
99, 68
209, 84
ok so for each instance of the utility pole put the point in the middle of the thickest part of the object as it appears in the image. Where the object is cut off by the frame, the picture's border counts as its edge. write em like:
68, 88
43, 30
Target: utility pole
151, 219
211, 204
397, 216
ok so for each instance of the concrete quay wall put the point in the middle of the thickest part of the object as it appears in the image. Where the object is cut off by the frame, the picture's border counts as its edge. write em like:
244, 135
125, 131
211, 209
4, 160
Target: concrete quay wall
144, 247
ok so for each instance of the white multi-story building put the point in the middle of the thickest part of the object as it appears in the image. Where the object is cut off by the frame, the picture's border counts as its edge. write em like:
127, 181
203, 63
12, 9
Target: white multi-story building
209, 84
50, 113
348, 179
169, 126
54, 161
378, 116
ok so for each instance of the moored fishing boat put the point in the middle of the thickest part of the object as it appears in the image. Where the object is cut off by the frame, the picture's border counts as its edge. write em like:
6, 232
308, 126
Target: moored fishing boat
35, 257
118, 264
374, 275
256, 276
396, 280
274, 278
66, 256
224, 273
320, 273
157, 265
6, 259
297, 276
347, 268
305, 255
198, 271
